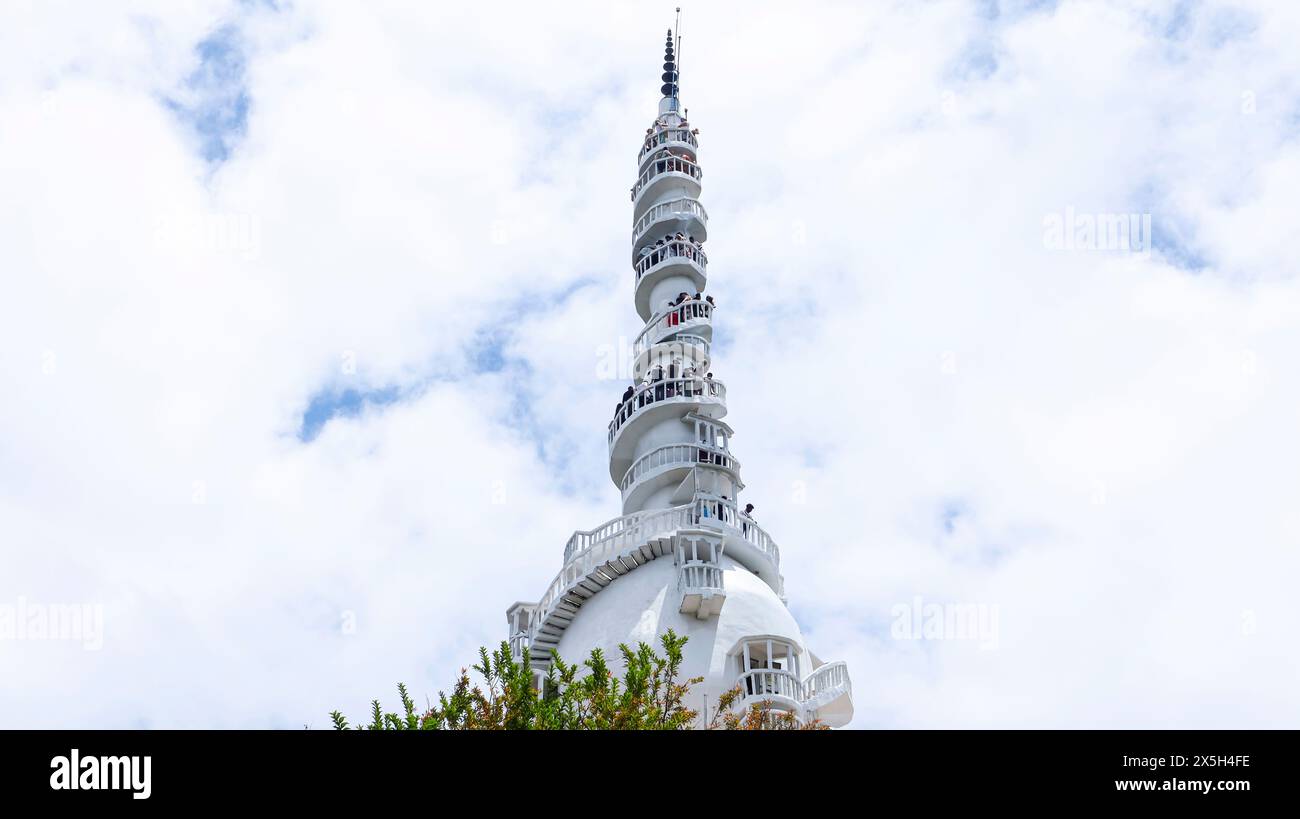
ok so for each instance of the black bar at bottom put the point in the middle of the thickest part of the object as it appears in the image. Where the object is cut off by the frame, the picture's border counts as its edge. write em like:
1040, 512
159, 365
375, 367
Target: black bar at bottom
332, 769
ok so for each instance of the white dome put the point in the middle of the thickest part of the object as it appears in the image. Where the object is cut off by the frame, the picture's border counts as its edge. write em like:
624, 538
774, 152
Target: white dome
642, 605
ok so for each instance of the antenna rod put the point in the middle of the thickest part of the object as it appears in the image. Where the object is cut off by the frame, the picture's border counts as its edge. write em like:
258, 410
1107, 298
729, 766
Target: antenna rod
679, 52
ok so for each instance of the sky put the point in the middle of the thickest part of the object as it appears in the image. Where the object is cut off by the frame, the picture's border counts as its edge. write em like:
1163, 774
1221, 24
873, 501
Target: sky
304, 309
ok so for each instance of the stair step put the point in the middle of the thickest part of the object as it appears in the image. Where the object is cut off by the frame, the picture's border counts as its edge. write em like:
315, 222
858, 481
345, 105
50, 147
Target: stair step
566, 608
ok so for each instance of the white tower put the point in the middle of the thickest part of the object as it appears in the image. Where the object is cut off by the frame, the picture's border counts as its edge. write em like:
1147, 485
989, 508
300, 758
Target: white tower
684, 554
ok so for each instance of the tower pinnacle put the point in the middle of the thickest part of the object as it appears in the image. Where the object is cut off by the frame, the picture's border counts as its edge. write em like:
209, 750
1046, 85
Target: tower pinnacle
669, 88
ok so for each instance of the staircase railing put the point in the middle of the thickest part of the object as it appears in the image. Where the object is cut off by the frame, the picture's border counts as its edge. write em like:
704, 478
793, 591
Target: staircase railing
685, 206
669, 252
678, 455
600, 549
662, 165
663, 137
827, 682
671, 320
666, 389
812, 692
586, 551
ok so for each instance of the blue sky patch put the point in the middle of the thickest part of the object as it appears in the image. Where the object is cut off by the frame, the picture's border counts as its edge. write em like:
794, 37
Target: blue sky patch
349, 403
214, 98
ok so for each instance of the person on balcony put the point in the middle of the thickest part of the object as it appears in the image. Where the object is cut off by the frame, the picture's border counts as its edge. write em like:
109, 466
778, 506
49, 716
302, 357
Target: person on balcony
708, 382
683, 312
747, 518
656, 379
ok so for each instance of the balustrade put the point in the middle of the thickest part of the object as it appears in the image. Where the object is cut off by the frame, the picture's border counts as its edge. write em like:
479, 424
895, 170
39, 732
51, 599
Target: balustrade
671, 252
666, 389
660, 165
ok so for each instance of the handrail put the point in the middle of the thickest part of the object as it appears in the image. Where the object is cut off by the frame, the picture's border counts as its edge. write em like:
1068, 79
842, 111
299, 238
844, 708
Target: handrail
671, 454
519, 641
762, 683
831, 678
684, 205
665, 390
580, 563
666, 252
826, 679
643, 525
673, 316
699, 574
682, 341
662, 165
580, 540
662, 137
711, 510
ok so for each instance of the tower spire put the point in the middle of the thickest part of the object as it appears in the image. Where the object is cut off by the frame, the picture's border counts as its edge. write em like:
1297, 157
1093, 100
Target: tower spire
669, 88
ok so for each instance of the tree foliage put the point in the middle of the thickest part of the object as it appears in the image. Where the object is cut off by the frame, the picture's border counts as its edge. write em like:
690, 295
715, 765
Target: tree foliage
648, 697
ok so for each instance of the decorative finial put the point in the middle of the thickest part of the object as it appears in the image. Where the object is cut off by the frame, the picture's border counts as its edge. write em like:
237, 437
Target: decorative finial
669, 88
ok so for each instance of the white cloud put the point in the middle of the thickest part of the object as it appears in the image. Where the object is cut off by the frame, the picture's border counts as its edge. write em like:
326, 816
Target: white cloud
1110, 438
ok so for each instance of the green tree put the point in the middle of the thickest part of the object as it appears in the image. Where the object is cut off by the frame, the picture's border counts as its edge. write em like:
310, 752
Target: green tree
648, 697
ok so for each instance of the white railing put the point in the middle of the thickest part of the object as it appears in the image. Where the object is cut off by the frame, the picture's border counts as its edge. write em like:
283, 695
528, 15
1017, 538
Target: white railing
719, 512
664, 136
677, 207
598, 551
518, 642
675, 455
670, 252
662, 165
812, 692
769, 683
667, 389
699, 576
671, 320
587, 551
698, 342
827, 683
676, 350
582, 540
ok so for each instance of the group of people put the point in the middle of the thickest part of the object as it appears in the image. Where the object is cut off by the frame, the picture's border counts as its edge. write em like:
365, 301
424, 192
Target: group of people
659, 137
679, 244
661, 383
689, 307
664, 162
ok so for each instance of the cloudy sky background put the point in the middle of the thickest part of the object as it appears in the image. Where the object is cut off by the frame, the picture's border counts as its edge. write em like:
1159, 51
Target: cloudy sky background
304, 306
